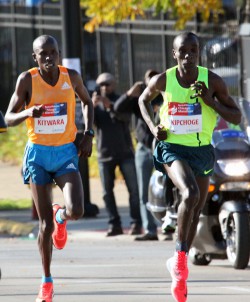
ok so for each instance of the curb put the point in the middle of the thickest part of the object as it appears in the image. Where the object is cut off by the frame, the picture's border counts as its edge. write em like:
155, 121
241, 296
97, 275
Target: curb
14, 228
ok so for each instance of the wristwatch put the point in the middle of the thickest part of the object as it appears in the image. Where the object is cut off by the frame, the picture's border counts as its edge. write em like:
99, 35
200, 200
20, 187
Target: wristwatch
90, 132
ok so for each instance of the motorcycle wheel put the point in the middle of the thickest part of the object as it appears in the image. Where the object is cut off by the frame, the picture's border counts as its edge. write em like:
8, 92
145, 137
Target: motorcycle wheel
238, 240
198, 259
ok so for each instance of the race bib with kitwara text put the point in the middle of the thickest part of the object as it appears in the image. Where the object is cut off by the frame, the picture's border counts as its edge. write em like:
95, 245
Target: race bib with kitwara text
53, 120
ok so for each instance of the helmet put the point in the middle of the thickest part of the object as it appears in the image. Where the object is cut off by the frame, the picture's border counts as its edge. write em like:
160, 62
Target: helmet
156, 195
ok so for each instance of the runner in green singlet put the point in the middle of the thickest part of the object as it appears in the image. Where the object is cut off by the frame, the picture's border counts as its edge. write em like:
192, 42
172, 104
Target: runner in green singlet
193, 97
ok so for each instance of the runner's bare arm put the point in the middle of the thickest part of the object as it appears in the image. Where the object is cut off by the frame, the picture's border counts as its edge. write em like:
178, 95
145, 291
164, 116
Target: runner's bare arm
217, 97
226, 106
16, 113
85, 146
156, 86
82, 93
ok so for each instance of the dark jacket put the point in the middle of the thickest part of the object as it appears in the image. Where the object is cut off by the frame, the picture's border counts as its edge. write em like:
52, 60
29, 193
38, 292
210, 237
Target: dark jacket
130, 105
113, 134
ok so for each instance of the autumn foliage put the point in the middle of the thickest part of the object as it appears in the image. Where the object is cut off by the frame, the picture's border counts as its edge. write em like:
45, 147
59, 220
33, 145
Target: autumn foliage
109, 12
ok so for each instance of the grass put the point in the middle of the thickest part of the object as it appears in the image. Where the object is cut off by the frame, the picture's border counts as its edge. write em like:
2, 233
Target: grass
20, 204
12, 144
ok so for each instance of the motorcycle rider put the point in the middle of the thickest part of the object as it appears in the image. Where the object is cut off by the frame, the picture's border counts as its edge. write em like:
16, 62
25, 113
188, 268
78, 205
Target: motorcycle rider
193, 96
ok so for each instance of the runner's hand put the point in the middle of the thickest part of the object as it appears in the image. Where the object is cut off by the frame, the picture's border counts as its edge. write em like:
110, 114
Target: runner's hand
36, 111
85, 146
203, 92
160, 132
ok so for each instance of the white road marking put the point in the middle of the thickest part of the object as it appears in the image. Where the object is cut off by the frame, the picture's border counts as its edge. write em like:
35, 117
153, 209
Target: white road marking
236, 288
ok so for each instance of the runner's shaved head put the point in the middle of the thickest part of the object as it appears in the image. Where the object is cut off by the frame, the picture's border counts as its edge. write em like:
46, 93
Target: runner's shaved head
184, 36
41, 40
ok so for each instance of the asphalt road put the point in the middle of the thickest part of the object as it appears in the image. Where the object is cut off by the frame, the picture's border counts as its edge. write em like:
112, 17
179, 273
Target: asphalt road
93, 268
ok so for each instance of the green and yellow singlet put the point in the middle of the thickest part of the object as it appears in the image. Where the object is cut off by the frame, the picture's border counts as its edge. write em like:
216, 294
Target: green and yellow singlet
189, 122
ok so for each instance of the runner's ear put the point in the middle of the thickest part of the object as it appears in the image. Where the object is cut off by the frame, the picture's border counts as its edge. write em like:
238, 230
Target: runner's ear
34, 57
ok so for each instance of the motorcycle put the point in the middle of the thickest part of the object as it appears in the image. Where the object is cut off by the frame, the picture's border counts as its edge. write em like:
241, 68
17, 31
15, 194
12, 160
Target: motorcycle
223, 231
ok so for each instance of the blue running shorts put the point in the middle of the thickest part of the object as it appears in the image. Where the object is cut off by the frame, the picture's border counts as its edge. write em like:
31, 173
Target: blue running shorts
43, 163
200, 159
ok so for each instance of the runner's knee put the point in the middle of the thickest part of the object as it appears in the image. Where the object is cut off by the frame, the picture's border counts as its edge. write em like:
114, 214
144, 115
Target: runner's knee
46, 227
75, 211
190, 197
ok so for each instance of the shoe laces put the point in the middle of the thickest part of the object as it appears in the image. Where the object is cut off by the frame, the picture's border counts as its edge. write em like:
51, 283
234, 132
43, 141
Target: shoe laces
61, 229
181, 261
46, 289
181, 284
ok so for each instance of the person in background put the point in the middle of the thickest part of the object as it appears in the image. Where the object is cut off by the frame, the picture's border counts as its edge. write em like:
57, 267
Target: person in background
128, 102
115, 149
44, 98
193, 96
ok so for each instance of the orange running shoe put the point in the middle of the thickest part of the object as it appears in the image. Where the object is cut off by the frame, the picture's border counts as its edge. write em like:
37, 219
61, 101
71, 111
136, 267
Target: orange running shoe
179, 290
177, 266
59, 235
46, 292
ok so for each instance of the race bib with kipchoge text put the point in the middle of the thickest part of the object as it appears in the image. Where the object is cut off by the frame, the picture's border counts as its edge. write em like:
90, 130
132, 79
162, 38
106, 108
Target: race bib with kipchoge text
184, 118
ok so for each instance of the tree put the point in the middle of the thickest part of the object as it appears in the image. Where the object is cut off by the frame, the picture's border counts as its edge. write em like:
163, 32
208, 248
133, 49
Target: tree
111, 11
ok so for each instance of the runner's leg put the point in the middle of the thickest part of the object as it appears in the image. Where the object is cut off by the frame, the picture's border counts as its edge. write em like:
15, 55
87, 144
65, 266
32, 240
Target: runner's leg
203, 184
71, 186
42, 198
183, 178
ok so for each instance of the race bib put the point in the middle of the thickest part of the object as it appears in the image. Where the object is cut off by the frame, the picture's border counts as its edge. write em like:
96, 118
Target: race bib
53, 120
184, 118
